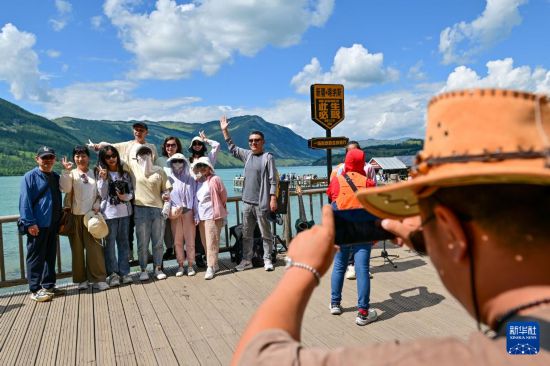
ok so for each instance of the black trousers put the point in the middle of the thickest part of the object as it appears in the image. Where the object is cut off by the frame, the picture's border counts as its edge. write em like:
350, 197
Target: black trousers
41, 254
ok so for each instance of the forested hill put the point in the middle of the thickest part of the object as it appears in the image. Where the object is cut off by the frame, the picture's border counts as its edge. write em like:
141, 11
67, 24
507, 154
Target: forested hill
21, 133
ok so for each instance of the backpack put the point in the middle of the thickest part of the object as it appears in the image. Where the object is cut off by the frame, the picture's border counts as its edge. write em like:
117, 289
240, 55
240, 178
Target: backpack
236, 251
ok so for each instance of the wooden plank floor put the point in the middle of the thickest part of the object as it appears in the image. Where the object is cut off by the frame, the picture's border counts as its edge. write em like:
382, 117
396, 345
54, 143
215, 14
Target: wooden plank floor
190, 321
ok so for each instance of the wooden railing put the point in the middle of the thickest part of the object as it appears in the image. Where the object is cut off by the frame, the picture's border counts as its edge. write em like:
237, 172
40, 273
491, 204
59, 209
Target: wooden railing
233, 204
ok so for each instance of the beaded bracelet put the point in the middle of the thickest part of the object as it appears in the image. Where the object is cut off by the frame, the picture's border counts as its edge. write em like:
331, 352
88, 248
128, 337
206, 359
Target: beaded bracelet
290, 263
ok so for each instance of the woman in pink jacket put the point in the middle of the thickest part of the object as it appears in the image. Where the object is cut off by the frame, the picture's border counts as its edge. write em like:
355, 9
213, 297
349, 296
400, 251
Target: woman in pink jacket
211, 211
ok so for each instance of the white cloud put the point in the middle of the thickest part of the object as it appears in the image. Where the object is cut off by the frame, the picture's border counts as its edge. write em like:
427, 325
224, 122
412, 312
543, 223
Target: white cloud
501, 74
96, 21
354, 67
174, 40
110, 100
19, 66
53, 53
463, 40
416, 73
63, 7
64, 10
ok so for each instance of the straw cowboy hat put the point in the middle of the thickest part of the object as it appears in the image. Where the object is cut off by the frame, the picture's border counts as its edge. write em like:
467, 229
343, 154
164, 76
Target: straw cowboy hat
482, 136
203, 160
96, 225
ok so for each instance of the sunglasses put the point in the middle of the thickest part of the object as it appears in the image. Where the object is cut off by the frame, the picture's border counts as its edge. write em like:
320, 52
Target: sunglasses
48, 157
177, 161
201, 166
109, 157
171, 145
254, 141
84, 178
197, 143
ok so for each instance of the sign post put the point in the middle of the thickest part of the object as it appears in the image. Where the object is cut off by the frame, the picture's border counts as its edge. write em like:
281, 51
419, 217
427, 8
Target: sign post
327, 110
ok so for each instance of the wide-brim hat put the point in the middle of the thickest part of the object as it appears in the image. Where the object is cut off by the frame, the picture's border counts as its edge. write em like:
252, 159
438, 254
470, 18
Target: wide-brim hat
203, 160
199, 139
482, 136
95, 222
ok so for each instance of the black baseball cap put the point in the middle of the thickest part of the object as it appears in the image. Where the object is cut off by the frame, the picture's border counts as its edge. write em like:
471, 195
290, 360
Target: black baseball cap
45, 150
140, 124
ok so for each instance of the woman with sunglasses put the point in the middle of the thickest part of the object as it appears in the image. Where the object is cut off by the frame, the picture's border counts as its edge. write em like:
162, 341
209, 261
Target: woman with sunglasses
198, 148
170, 146
182, 211
79, 186
116, 190
211, 211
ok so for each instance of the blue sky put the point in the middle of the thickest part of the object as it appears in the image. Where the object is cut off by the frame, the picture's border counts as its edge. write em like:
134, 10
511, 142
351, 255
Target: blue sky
193, 61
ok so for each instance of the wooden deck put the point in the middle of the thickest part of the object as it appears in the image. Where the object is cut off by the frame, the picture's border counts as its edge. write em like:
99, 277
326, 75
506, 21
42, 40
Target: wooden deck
190, 321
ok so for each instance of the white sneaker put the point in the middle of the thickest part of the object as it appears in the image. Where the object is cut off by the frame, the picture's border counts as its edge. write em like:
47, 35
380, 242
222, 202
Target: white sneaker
209, 273
114, 280
101, 286
268, 266
243, 265
335, 309
159, 274
191, 271
350, 272
365, 317
41, 295
144, 276
127, 279
83, 285
180, 272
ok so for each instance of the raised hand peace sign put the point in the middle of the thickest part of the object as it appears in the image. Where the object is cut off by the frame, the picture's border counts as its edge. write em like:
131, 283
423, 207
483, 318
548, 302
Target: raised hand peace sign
68, 165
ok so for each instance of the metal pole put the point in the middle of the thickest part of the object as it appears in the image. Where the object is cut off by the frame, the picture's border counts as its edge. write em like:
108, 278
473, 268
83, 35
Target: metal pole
329, 156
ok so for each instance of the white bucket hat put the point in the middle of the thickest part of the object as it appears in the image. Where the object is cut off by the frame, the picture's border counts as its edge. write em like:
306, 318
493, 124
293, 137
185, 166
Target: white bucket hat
203, 160
96, 225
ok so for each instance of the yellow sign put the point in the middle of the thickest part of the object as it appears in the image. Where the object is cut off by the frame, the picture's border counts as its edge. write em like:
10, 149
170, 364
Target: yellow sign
327, 104
327, 142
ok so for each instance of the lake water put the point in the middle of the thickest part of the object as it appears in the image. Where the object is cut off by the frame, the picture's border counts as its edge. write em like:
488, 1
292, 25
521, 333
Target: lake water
9, 205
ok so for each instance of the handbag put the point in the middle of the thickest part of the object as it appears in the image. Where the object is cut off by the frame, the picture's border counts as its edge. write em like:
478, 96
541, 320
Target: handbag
67, 221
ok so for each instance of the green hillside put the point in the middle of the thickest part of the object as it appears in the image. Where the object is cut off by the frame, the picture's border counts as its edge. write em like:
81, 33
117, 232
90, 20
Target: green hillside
22, 133
407, 147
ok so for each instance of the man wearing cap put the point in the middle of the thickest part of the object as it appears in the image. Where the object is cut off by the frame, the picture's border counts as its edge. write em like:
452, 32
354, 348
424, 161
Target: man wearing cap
127, 152
482, 202
40, 212
259, 193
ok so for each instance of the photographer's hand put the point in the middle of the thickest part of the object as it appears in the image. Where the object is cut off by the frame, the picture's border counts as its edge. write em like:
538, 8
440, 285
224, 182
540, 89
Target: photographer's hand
402, 229
284, 308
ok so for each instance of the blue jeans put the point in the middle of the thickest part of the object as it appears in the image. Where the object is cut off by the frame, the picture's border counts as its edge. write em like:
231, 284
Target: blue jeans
118, 236
149, 227
361, 254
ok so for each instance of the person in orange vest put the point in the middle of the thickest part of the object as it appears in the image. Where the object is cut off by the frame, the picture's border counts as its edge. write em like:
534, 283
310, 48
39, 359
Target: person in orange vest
341, 191
369, 173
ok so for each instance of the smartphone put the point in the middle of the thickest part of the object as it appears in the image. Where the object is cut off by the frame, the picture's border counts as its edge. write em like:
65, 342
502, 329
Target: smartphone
358, 226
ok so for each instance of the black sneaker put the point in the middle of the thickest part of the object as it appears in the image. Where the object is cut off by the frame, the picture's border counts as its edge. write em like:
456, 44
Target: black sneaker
199, 261
168, 254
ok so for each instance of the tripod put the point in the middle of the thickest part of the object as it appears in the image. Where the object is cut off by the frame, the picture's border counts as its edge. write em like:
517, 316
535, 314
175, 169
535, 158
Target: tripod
387, 257
277, 240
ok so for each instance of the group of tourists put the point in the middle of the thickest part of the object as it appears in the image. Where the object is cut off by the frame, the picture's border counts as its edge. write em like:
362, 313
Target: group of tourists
166, 200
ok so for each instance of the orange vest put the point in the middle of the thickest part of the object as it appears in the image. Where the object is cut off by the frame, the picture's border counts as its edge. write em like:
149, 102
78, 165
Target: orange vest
346, 196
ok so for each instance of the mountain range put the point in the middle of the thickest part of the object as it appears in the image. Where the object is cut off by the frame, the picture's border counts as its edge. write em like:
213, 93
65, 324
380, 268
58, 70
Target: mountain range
22, 132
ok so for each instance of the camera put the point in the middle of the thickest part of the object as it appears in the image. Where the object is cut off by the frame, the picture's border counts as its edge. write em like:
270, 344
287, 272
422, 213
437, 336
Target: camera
358, 226
118, 186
